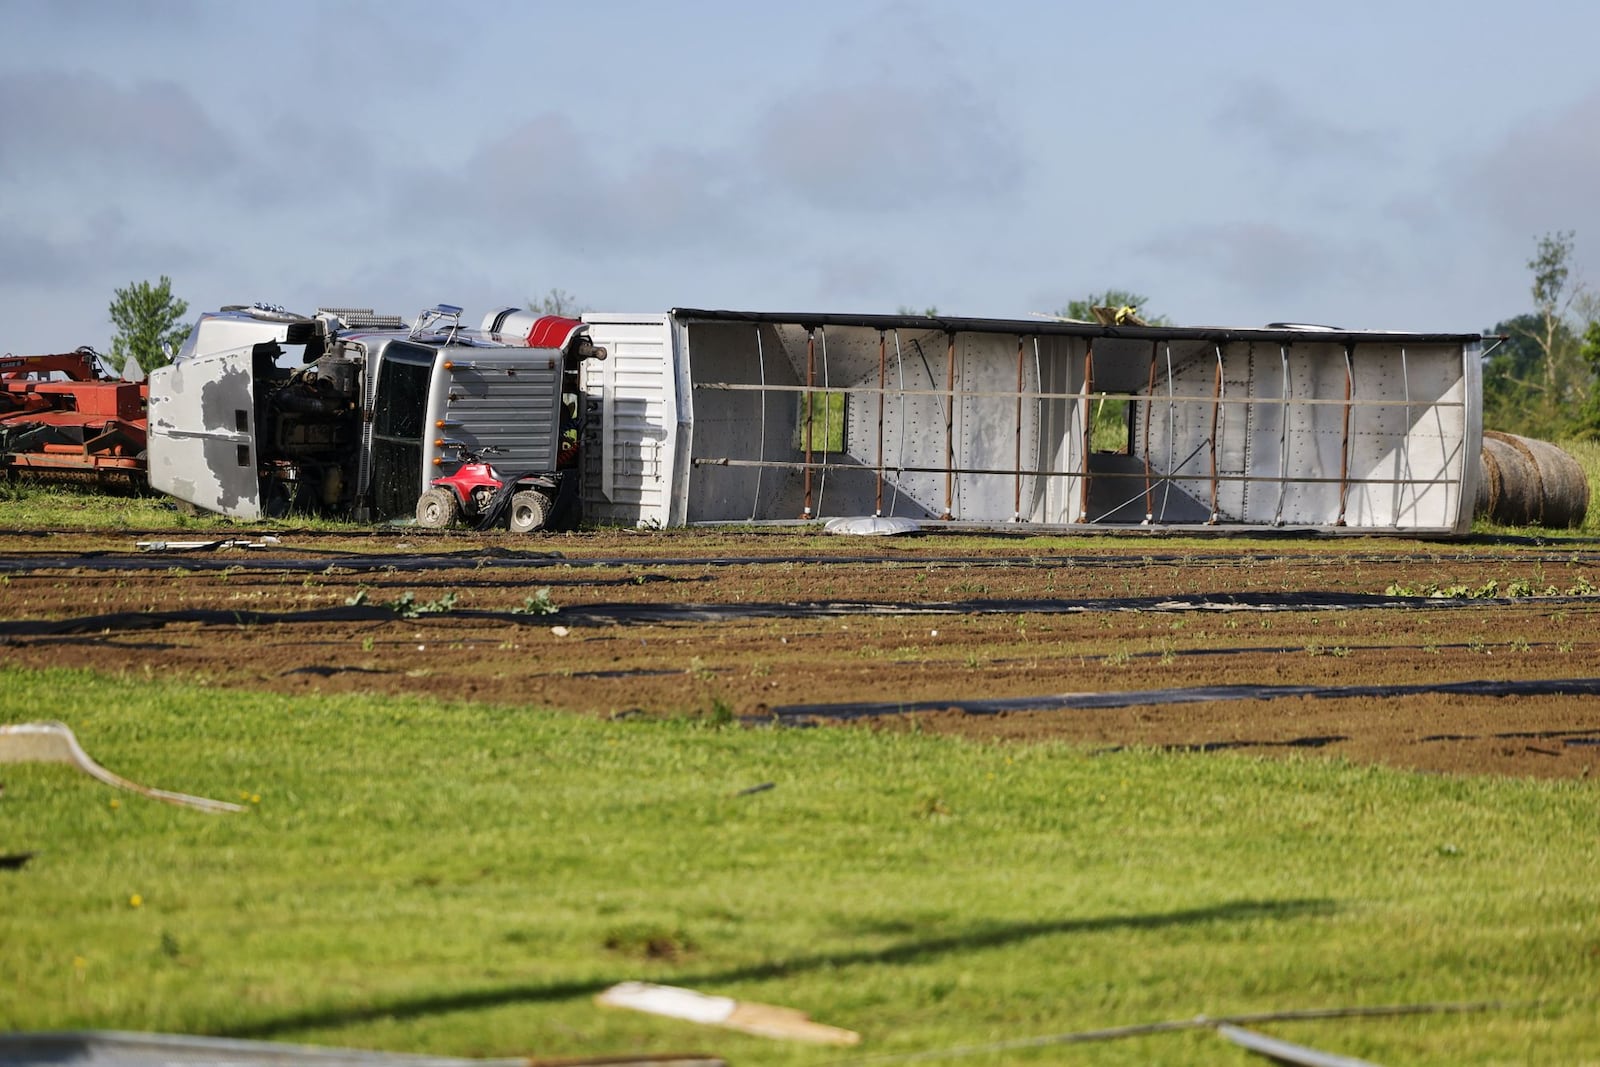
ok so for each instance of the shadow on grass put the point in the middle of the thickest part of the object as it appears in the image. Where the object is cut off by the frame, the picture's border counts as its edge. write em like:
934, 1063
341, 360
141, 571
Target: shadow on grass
910, 952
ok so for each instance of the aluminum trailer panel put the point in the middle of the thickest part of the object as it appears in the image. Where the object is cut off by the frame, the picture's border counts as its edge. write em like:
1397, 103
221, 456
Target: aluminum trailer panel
785, 416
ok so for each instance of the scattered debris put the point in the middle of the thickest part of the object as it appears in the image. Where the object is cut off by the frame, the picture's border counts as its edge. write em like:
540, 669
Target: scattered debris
1283, 1051
1201, 1022
872, 526
764, 1020
53, 742
205, 546
761, 788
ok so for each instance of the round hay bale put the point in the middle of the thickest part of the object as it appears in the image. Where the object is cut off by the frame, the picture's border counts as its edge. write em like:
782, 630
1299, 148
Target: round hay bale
1527, 482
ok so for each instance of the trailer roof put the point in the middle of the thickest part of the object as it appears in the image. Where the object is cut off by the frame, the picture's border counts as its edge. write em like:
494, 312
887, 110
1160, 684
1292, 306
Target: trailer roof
1279, 333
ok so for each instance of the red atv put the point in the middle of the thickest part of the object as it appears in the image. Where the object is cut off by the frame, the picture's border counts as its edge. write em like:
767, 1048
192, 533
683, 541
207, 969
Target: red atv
481, 495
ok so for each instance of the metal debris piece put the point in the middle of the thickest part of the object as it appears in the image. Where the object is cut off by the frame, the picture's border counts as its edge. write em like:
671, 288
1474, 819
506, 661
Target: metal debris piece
205, 546
1285, 1051
764, 1020
53, 742
872, 526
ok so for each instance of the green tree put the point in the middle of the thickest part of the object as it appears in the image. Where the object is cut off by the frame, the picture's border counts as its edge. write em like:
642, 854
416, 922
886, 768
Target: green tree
1588, 423
557, 302
1538, 382
1513, 374
1110, 418
149, 322
1083, 310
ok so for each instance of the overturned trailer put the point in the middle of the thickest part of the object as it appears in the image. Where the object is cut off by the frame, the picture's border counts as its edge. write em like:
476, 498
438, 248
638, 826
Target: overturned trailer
739, 417
754, 417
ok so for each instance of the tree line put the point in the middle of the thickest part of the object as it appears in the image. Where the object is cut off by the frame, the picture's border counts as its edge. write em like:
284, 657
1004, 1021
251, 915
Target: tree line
1543, 379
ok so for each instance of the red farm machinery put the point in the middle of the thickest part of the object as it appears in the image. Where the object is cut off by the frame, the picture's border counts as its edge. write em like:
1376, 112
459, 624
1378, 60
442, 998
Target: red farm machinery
63, 414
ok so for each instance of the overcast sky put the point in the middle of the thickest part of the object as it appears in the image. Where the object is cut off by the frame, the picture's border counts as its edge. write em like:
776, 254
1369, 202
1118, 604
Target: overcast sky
1383, 165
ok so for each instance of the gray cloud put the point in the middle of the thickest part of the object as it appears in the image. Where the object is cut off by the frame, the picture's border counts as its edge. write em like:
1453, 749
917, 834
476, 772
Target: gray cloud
169, 15
97, 248
29, 259
835, 147
1540, 176
55, 121
891, 114
1268, 261
548, 180
306, 168
855, 281
1264, 112
875, 146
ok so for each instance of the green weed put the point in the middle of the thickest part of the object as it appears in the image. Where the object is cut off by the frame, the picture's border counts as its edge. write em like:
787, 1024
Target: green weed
537, 604
407, 606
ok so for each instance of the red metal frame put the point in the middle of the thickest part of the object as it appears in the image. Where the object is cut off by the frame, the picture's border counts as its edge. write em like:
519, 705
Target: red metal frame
78, 422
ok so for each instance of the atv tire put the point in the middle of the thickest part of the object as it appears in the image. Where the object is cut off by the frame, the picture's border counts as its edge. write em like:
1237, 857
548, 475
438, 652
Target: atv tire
529, 511
437, 509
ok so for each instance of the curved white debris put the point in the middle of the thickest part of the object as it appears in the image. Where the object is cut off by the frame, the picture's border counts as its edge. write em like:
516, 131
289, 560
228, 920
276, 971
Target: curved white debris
872, 525
54, 742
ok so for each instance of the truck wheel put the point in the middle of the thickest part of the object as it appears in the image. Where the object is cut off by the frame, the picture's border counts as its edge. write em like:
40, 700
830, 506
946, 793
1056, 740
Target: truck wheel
529, 510
437, 509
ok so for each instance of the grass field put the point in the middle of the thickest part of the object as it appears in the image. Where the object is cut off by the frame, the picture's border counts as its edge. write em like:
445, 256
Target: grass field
462, 879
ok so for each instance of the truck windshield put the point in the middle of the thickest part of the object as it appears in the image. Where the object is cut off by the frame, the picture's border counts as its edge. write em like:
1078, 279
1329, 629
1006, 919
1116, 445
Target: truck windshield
399, 413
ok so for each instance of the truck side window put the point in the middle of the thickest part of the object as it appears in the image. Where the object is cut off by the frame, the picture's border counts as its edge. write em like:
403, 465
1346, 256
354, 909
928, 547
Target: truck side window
402, 400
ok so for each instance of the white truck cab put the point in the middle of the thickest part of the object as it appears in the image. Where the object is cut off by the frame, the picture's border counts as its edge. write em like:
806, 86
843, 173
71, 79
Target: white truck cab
264, 411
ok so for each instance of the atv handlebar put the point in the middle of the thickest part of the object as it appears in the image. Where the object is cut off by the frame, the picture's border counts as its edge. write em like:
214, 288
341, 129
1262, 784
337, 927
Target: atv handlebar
469, 454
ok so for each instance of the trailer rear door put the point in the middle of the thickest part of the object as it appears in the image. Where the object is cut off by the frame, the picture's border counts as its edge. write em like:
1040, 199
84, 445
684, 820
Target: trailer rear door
635, 424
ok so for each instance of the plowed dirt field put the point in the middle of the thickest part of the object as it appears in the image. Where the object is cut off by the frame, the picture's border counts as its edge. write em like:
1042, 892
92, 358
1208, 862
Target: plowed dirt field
1456, 658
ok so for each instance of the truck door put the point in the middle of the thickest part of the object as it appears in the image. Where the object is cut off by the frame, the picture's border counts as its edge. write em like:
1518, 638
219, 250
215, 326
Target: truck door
399, 419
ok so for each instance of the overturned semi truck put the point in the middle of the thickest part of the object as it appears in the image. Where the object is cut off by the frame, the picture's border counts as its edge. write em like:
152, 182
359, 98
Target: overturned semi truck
732, 417
344, 412
703, 416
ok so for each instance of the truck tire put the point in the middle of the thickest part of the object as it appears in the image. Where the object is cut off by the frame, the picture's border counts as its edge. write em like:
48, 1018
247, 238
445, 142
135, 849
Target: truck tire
529, 510
437, 509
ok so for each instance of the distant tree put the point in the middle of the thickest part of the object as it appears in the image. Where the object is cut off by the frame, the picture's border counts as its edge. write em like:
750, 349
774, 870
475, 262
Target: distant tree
1588, 422
1083, 310
1552, 297
1109, 432
1538, 381
557, 302
906, 309
149, 322
1513, 374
